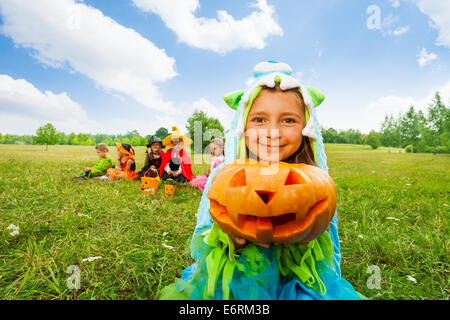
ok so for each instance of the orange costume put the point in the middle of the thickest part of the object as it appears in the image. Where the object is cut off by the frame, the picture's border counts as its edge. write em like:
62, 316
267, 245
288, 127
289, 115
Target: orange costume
127, 151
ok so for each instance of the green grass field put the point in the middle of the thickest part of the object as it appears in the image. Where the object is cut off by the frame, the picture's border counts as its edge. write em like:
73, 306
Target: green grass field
393, 211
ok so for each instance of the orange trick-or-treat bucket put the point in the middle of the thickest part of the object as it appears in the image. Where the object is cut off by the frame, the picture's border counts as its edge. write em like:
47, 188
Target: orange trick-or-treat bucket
169, 190
149, 185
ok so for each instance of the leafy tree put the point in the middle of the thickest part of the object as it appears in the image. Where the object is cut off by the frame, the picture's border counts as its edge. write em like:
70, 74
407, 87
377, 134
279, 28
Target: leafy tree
329, 135
46, 135
373, 139
438, 120
389, 135
210, 128
161, 133
410, 128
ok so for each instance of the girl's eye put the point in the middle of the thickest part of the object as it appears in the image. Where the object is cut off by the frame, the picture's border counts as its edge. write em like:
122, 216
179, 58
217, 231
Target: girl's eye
258, 120
289, 120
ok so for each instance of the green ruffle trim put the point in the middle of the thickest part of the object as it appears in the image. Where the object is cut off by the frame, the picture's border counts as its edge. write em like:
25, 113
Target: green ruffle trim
300, 260
295, 260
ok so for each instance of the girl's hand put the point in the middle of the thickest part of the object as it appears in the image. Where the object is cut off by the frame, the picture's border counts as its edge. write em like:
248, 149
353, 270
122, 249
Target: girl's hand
240, 243
87, 169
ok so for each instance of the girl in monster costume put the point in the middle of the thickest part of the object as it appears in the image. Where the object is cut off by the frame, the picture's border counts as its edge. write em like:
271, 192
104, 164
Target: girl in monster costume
231, 268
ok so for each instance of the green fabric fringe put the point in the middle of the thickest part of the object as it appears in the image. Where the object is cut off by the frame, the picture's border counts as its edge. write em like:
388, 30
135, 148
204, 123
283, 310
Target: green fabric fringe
295, 260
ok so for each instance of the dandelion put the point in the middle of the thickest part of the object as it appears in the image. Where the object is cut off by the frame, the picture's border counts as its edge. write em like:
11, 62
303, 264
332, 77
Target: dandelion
167, 246
412, 279
15, 230
90, 259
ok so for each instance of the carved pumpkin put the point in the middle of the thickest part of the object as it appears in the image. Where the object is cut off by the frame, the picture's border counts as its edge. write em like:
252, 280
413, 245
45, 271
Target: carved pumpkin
149, 185
169, 190
282, 204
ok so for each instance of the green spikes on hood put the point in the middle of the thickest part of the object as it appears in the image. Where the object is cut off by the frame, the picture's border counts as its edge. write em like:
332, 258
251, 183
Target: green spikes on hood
233, 98
316, 95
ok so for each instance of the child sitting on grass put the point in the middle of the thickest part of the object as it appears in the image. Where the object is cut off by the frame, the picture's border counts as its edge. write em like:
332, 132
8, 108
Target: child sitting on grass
176, 163
218, 157
103, 164
153, 158
127, 163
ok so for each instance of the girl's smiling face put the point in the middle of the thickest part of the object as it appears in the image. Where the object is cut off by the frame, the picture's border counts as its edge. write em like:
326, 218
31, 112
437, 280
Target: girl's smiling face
155, 147
274, 125
215, 149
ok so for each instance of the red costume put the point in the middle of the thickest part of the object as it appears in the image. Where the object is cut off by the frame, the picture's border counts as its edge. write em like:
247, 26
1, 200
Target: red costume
185, 164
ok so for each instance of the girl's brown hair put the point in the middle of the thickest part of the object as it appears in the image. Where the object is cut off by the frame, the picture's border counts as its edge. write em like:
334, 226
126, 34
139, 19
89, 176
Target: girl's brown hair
304, 154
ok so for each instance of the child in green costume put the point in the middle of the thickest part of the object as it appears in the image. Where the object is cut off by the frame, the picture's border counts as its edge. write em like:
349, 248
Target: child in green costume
103, 164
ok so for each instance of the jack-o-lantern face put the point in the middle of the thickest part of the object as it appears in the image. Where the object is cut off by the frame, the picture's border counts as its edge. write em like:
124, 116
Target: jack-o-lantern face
149, 185
286, 203
169, 190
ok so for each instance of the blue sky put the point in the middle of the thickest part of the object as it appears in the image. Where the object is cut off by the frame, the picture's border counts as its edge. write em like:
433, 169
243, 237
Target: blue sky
115, 66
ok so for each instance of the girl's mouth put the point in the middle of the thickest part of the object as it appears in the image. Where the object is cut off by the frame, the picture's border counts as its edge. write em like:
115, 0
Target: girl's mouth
270, 147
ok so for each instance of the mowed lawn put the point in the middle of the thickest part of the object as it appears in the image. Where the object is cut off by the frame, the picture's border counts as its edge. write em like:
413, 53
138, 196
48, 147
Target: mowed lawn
393, 211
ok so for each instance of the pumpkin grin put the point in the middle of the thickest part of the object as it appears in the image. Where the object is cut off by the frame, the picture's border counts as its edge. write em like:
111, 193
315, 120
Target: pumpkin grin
283, 204
274, 227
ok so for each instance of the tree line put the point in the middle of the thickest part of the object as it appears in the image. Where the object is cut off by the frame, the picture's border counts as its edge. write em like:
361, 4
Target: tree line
415, 131
49, 135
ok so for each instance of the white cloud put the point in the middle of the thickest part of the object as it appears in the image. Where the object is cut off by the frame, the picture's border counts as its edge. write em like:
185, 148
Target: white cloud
439, 13
395, 3
65, 33
143, 125
399, 31
425, 57
223, 34
23, 108
375, 112
389, 26
223, 114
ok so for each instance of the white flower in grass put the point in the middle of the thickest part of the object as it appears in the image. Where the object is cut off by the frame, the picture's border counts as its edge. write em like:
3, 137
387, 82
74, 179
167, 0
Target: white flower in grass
360, 236
392, 218
355, 222
15, 230
91, 259
165, 234
445, 205
408, 184
412, 279
84, 215
167, 246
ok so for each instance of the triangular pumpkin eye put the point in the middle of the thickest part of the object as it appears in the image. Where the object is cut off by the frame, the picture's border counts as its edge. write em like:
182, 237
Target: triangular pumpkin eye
238, 179
293, 178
